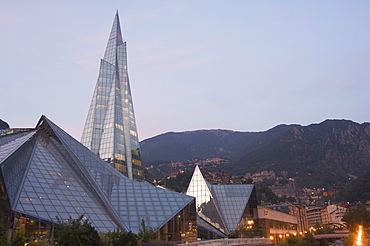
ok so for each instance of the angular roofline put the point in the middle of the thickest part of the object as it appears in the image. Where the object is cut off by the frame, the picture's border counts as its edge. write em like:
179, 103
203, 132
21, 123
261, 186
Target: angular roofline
104, 202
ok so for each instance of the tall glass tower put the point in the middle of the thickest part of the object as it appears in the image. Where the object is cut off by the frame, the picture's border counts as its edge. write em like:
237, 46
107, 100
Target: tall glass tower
110, 128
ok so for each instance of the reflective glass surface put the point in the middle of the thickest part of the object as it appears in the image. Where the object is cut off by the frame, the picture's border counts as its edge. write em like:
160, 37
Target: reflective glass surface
232, 201
132, 200
222, 206
55, 175
14, 166
110, 129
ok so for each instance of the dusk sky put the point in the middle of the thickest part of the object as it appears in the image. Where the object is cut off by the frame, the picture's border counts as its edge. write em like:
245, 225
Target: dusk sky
238, 65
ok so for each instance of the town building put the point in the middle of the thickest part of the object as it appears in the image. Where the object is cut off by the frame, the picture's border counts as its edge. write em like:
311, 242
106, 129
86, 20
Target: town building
277, 224
315, 216
297, 211
46, 175
335, 214
110, 129
222, 209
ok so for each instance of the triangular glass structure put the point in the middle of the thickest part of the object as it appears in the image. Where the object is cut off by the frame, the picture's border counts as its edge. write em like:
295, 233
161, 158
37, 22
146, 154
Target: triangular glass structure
224, 207
207, 208
49, 174
232, 201
110, 129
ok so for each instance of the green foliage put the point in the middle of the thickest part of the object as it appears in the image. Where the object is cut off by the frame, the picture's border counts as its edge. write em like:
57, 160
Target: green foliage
350, 241
146, 234
358, 189
180, 182
122, 238
19, 237
265, 194
3, 237
324, 229
39, 243
357, 216
255, 231
104, 239
234, 234
307, 240
76, 232
292, 241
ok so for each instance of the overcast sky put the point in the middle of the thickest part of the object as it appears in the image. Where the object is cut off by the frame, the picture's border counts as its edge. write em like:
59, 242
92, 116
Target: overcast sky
238, 65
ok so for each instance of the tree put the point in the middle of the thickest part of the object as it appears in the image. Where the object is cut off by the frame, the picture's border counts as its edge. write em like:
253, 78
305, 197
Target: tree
324, 229
77, 232
255, 231
122, 238
292, 241
146, 234
357, 216
350, 241
19, 237
104, 239
307, 240
39, 243
3, 237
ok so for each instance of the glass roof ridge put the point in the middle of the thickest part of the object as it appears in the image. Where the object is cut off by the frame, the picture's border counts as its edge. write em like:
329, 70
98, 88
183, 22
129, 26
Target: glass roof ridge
83, 170
109, 168
14, 169
181, 208
13, 145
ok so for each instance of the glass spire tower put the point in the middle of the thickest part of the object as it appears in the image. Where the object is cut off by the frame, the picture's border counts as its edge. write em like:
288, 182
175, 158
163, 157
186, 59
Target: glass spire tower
110, 128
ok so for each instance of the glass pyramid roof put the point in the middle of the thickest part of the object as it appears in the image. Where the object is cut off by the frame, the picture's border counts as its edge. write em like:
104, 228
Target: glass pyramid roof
220, 205
52, 174
232, 201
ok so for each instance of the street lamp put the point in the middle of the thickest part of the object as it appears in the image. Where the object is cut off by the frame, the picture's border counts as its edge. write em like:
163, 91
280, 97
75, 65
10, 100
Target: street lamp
359, 236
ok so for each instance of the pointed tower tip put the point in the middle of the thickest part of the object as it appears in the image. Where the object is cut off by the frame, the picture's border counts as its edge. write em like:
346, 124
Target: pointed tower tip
117, 12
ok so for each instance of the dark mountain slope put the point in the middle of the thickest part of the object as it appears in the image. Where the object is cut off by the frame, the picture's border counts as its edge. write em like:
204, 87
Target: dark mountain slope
204, 144
318, 154
358, 190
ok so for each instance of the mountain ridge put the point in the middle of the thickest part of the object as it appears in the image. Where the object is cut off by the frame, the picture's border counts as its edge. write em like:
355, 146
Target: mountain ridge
330, 152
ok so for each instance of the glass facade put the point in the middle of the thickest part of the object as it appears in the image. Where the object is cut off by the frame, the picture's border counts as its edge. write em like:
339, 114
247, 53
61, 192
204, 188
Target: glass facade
110, 129
45, 174
222, 208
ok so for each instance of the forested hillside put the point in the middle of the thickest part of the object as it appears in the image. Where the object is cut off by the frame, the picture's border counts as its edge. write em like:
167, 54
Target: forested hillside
327, 155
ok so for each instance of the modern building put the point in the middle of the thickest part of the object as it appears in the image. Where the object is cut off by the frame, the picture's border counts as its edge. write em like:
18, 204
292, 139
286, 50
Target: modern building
46, 174
277, 225
315, 216
297, 211
110, 129
222, 209
331, 215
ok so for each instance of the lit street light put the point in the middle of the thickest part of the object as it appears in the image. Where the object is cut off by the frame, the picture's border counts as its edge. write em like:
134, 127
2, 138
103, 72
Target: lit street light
359, 236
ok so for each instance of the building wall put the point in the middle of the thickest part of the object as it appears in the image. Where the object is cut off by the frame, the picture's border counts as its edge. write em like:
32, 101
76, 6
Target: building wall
182, 227
300, 213
314, 217
336, 213
276, 223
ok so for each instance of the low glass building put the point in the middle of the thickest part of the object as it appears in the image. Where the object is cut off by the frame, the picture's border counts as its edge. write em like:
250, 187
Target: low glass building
222, 209
46, 174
